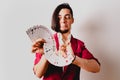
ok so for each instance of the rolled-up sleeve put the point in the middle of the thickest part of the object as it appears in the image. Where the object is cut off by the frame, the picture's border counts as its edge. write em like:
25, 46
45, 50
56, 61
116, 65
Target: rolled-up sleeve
87, 55
37, 58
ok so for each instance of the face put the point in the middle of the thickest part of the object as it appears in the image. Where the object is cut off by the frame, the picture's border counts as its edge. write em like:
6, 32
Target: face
65, 20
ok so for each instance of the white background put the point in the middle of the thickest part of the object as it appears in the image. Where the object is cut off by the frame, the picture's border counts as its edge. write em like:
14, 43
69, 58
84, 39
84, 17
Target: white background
97, 23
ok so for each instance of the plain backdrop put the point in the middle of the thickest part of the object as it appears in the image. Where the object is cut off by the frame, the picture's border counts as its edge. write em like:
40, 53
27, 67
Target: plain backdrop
97, 23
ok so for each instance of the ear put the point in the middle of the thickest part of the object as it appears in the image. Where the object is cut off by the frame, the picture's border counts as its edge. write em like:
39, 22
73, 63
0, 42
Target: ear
73, 20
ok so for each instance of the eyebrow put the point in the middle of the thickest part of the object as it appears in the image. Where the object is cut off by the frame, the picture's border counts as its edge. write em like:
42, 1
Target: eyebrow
65, 14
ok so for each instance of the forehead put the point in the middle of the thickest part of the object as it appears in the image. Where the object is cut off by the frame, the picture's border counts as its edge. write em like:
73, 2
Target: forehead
64, 11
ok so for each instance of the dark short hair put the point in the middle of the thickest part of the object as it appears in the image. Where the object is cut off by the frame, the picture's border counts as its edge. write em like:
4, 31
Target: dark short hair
55, 20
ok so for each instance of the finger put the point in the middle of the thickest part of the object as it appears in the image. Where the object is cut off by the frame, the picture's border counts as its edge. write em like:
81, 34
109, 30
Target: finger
39, 43
69, 46
41, 51
63, 47
40, 40
64, 54
69, 49
34, 49
37, 50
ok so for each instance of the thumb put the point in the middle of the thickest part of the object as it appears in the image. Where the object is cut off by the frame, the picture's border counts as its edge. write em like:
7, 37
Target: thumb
69, 49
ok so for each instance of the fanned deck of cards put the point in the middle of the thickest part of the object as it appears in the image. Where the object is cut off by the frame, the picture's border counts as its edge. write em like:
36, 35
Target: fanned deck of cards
51, 54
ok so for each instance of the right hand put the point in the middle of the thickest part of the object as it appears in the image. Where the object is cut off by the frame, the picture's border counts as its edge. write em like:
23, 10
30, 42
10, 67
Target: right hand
37, 46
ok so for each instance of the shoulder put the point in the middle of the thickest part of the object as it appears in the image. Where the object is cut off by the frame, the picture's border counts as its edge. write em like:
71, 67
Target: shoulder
77, 40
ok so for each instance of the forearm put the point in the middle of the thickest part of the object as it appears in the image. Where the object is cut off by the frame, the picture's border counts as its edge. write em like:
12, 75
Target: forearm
41, 67
90, 65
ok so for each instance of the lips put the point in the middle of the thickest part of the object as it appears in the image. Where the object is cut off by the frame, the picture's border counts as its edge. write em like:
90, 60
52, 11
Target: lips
63, 25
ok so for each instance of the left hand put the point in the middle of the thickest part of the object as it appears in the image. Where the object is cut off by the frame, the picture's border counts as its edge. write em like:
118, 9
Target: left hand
66, 48
70, 50
62, 51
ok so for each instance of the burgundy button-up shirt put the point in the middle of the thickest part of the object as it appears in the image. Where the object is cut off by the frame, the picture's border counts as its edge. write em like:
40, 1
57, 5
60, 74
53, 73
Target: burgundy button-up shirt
70, 72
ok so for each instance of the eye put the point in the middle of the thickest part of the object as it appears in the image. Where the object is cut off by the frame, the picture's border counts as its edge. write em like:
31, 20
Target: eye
68, 17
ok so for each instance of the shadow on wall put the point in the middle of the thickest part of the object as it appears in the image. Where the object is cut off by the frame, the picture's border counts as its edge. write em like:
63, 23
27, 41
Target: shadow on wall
95, 34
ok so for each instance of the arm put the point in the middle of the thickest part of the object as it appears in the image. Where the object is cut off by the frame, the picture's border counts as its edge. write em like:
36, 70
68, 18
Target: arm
41, 64
90, 65
41, 67
87, 61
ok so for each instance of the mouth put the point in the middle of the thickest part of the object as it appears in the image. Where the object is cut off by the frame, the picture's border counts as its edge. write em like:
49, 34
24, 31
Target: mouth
63, 25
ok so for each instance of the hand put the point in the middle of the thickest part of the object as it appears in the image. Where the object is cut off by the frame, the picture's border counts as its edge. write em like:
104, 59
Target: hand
37, 46
66, 48
62, 51
70, 50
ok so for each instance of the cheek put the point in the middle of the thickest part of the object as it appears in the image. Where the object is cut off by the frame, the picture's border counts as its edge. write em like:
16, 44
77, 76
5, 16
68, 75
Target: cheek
69, 23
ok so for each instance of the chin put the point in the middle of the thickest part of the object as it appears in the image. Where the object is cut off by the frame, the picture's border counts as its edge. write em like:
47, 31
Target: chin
64, 31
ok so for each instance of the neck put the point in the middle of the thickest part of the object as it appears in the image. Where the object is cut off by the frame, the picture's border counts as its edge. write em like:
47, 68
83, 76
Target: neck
65, 36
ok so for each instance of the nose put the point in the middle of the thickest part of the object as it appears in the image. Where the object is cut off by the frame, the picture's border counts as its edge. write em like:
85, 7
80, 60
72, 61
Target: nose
62, 20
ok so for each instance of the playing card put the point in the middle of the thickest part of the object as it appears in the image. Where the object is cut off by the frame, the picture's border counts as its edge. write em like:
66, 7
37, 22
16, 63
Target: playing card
39, 31
51, 54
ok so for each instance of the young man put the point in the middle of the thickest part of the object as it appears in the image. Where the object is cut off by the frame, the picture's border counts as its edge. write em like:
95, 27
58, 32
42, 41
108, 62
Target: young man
62, 20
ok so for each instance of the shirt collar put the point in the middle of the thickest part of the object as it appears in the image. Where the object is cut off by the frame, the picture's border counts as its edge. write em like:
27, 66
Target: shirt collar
60, 39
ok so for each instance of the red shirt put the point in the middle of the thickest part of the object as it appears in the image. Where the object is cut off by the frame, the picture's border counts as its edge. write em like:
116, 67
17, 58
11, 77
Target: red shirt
71, 72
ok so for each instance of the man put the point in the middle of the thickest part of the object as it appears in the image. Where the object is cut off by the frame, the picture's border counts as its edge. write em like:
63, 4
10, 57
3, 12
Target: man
62, 20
